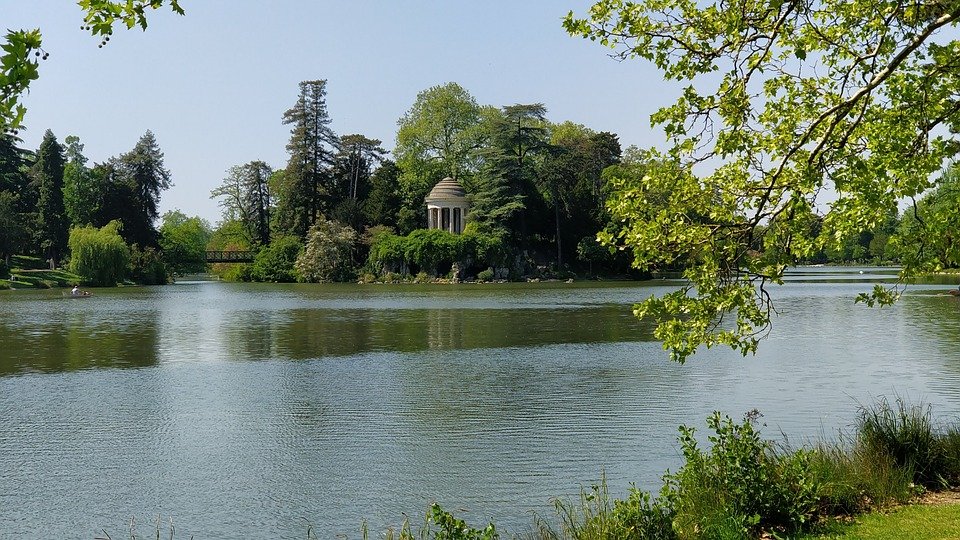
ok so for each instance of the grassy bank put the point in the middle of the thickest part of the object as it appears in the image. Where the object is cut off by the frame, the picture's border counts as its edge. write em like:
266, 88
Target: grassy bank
32, 272
937, 521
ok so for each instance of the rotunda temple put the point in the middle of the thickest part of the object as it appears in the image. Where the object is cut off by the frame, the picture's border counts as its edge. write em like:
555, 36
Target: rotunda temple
447, 206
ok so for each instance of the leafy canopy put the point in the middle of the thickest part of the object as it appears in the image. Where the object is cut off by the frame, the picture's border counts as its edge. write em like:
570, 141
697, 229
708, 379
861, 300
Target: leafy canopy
787, 108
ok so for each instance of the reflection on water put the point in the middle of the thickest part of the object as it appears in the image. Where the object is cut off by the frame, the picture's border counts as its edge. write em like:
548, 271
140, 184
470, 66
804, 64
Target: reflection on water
240, 409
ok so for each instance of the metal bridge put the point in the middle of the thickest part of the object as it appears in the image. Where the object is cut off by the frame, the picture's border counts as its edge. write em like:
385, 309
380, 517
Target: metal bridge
229, 256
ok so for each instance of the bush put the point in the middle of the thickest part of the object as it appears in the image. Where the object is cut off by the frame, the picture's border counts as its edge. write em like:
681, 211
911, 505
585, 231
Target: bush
485, 275
451, 528
328, 255
147, 266
741, 486
99, 256
386, 251
949, 442
234, 272
431, 248
276, 262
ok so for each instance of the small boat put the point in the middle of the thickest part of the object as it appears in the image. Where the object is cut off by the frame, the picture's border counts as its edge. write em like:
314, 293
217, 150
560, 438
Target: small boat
81, 294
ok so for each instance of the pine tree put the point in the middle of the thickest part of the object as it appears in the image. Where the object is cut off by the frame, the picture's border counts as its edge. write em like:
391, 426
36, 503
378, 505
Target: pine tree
143, 171
311, 147
52, 219
130, 188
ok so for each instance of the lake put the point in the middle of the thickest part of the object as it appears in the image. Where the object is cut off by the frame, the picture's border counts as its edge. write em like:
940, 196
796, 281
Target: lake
256, 410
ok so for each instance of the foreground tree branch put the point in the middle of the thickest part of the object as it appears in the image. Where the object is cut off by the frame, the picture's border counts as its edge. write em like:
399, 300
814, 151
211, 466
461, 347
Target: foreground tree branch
802, 123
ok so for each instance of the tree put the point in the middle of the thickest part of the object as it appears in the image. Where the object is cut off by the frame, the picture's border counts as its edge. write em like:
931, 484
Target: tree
141, 176
13, 233
245, 197
936, 210
19, 63
183, 241
328, 254
358, 157
353, 166
53, 225
99, 256
494, 205
81, 191
276, 262
311, 147
13, 163
570, 181
17, 198
383, 203
518, 136
787, 108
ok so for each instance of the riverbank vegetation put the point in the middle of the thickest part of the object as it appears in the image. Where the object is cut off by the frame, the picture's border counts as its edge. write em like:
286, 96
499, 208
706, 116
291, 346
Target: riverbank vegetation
737, 485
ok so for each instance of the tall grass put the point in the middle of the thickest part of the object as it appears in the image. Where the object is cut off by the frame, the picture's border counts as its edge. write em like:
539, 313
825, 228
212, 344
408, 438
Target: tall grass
595, 515
906, 434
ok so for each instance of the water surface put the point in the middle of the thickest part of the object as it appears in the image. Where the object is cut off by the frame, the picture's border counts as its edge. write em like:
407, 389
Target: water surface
257, 410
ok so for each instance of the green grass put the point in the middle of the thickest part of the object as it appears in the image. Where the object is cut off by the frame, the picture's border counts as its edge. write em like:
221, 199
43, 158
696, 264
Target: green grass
28, 263
43, 279
916, 522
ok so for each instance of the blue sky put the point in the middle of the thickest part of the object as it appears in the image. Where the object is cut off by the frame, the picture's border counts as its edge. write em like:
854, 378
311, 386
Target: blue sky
213, 85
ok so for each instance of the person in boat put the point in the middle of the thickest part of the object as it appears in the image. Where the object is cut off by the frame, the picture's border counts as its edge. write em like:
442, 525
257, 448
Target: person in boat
77, 292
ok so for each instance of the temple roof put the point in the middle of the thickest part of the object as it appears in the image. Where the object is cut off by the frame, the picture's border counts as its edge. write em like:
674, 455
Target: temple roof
447, 189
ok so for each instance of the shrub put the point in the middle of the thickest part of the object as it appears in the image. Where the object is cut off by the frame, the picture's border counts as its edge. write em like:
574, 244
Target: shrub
429, 248
640, 517
235, 272
386, 251
276, 261
741, 486
328, 255
485, 275
451, 528
949, 442
99, 256
147, 266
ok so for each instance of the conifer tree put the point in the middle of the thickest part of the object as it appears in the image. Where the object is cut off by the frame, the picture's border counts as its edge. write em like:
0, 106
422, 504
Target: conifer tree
311, 147
52, 218
144, 170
